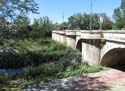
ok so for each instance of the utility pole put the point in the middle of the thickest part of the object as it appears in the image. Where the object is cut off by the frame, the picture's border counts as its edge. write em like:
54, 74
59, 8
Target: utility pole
91, 16
63, 26
63, 17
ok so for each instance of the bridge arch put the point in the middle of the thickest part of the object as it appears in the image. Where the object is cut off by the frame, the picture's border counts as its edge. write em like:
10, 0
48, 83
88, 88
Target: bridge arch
112, 55
92, 42
79, 44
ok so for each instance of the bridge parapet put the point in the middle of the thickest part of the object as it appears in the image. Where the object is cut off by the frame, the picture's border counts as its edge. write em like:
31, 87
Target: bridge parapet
59, 36
114, 35
70, 32
91, 34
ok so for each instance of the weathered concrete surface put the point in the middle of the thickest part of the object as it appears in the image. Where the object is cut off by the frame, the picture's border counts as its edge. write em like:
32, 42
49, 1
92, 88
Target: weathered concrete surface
71, 40
116, 35
93, 50
91, 35
109, 80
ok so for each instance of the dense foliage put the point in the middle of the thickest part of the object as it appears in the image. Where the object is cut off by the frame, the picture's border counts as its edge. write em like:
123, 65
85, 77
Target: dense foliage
40, 28
30, 52
9, 11
82, 21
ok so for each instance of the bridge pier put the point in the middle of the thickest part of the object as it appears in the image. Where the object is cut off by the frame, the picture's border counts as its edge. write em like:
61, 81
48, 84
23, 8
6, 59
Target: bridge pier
70, 41
91, 52
71, 38
91, 47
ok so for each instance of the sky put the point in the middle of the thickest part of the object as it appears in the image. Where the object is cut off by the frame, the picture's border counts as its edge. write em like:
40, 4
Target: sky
54, 9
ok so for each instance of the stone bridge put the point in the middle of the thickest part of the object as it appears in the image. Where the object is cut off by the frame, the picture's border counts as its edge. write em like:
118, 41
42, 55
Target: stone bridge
97, 47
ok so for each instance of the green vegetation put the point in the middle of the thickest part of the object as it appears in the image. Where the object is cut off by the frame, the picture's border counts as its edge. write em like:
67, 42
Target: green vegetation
41, 27
9, 11
51, 71
82, 21
34, 52
42, 60
79, 70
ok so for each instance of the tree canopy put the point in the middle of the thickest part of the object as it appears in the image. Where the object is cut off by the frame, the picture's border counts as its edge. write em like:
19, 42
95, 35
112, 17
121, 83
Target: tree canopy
82, 21
119, 16
9, 11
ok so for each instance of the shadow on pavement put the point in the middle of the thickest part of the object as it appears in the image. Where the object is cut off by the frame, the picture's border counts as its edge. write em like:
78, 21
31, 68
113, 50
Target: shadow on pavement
81, 83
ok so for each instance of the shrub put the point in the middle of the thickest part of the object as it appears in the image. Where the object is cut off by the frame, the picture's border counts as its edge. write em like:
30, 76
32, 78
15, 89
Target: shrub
9, 60
54, 70
45, 69
36, 52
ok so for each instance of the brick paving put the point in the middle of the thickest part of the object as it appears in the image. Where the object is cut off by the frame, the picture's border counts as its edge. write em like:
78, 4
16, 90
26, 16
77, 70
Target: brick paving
109, 80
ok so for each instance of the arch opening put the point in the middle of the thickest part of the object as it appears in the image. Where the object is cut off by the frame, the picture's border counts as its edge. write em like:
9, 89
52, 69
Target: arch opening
115, 58
79, 45
94, 42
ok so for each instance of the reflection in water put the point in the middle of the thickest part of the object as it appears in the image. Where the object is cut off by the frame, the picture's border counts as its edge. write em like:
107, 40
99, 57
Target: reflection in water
10, 71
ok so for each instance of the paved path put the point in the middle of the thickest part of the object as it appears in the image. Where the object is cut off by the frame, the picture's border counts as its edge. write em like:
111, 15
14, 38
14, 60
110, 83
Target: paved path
110, 80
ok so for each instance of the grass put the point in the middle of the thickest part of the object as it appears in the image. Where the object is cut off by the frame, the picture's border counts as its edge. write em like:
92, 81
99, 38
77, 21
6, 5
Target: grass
80, 70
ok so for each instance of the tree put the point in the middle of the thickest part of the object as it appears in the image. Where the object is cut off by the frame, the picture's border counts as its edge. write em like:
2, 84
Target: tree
63, 26
42, 27
119, 16
82, 21
95, 21
86, 22
9, 10
107, 23
21, 22
76, 21
22, 27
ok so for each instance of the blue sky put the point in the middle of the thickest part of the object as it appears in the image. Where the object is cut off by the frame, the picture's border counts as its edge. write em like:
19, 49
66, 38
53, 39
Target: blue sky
54, 8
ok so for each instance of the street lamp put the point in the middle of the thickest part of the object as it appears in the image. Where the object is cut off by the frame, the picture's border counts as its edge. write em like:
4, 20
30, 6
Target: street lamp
91, 16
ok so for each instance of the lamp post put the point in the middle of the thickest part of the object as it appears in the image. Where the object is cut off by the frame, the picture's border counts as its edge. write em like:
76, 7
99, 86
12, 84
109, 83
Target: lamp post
91, 16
